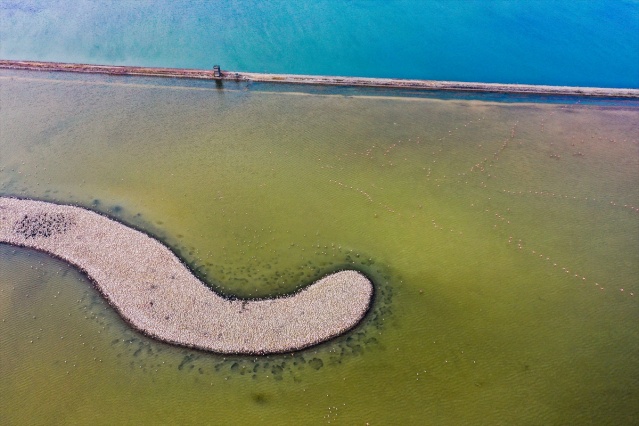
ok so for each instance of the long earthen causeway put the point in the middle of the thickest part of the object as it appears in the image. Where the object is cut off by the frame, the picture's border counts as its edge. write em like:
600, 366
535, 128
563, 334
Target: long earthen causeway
159, 296
391, 83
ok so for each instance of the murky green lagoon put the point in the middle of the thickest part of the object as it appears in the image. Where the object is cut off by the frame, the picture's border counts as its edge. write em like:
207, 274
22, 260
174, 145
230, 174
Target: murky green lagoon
503, 239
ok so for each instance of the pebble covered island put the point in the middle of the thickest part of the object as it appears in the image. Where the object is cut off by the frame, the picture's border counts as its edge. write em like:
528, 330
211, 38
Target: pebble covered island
158, 295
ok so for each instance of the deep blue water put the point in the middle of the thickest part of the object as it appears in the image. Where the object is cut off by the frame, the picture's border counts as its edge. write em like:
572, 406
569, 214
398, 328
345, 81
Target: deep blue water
577, 43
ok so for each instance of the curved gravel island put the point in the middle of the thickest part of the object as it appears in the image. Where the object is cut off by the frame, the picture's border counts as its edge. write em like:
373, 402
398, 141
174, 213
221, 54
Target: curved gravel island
158, 295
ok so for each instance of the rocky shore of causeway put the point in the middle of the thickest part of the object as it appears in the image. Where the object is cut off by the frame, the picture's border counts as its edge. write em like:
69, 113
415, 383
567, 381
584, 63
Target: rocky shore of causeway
391, 83
158, 295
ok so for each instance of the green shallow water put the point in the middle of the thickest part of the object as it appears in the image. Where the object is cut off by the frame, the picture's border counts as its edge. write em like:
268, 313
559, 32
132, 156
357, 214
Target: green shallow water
457, 209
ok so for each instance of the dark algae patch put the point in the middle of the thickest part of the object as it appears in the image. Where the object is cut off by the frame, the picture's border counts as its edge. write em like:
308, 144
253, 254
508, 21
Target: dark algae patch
260, 398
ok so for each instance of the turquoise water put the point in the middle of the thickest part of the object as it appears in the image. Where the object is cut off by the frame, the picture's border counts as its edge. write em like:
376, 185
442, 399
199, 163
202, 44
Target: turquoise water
584, 43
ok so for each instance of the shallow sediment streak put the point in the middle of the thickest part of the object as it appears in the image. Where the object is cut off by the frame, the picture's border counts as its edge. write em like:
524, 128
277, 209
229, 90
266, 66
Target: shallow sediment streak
158, 295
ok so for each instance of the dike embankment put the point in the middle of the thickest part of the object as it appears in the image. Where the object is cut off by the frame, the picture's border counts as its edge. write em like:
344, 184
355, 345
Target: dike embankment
320, 80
